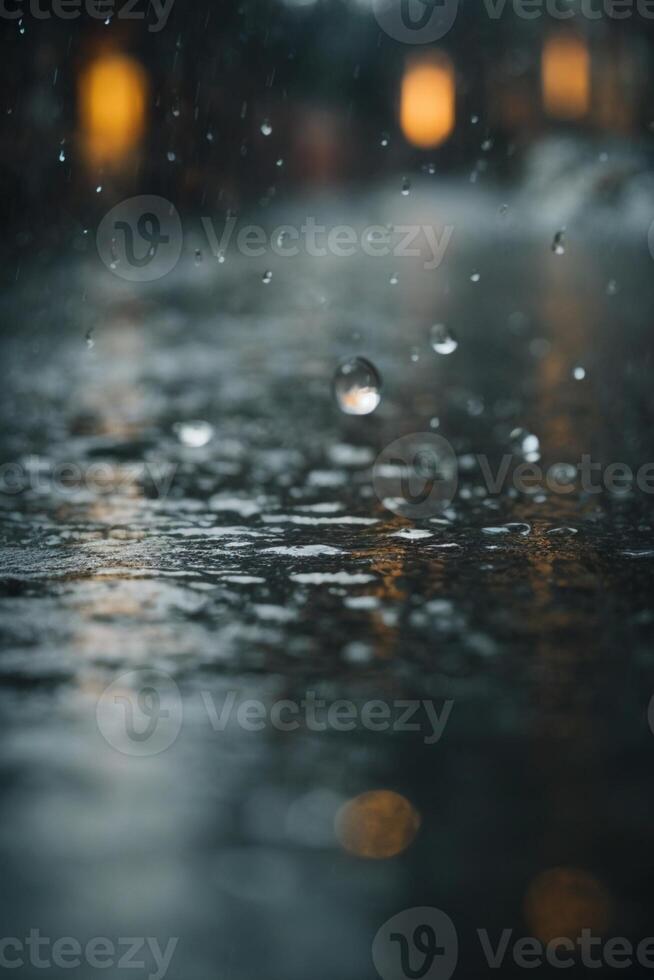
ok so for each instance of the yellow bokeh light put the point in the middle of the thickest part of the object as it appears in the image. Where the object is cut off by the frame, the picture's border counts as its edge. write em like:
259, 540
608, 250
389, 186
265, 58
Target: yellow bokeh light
428, 101
377, 824
112, 92
565, 71
561, 902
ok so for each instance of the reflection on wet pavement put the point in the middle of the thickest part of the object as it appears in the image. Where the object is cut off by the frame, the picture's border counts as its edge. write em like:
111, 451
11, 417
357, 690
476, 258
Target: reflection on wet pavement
250, 554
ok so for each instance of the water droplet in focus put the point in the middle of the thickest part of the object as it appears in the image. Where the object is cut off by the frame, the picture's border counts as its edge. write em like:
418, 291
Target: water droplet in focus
357, 387
195, 433
266, 128
266, 277
406, 186
442, 340
558, 246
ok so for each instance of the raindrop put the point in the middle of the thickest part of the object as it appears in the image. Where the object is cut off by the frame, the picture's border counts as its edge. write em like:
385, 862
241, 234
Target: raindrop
384, 139
415, 355
474, 120
442, 340
522, 529
393, 280
62, 156
98, 189
196, 433
266, 277
280, 162
210, 137
526, 444
357, 387
612, 288
88, 337
579, 373
266, 128
221, 256
434, 423
198, 256
504, 209
406, 186
171, 156
487, 145
558, 246
475, 277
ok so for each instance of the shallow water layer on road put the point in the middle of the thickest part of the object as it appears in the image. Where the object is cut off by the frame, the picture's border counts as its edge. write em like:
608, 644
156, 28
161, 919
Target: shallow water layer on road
253, 559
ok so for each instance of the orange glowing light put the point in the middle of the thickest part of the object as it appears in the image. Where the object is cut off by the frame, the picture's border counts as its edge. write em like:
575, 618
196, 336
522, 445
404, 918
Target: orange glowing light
561, 902
428, 102
565, 71
378, 824
112, 92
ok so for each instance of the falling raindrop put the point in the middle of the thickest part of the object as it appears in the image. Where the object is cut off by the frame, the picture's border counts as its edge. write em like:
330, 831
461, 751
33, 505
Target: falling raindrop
579, 373
266, 277
171, 156
280, 162
558, 246
210, 137
406, 186
414, 354
475, 277
357, 387
98, 189
266, 128
612, 288
384, 139
88, 337
393, 280
474, 120
198, 256
195, 433
442, 339
62, 156
487, 145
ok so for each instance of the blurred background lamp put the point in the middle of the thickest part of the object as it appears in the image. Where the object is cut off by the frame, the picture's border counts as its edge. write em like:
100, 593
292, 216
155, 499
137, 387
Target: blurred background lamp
427, 103
112, 92
566, 76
